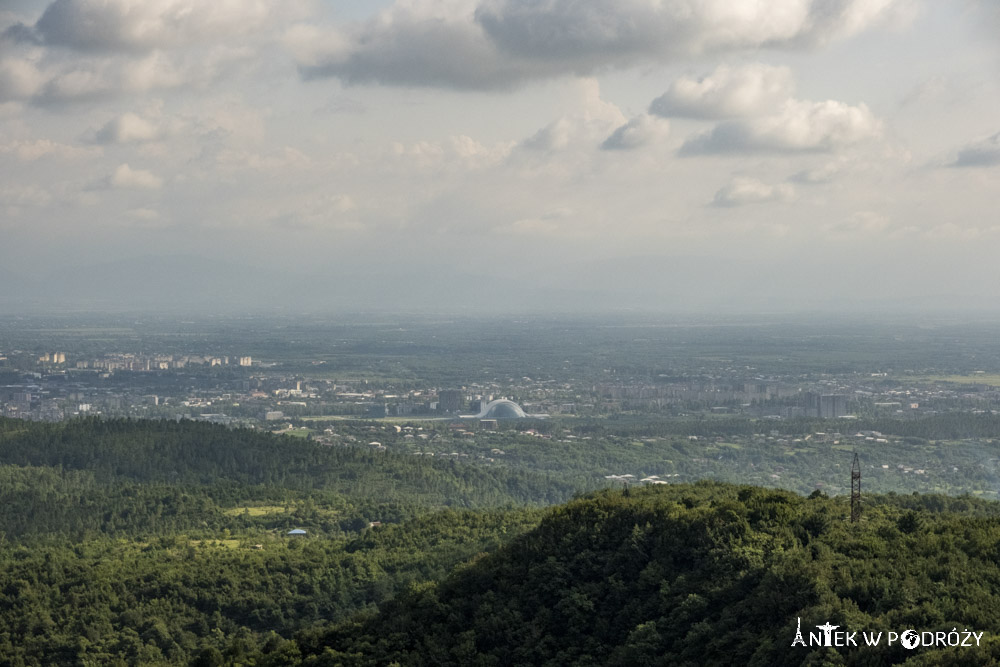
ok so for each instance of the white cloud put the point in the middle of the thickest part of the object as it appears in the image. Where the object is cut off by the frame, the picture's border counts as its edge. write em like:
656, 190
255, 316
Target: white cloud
639, 131
460, 152
126, 177
312, 45
29, 151
89, 50
798, 126
742, 190
984, 153
78, 79
593, 121
727, 92
502, 43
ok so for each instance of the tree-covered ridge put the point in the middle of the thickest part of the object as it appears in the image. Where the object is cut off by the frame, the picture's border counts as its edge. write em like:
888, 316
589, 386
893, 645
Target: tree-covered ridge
699, 574
119, 477
199, 453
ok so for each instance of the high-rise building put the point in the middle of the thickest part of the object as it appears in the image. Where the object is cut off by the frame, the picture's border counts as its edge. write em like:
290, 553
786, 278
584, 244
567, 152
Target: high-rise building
832, 406
825, 406
449, 400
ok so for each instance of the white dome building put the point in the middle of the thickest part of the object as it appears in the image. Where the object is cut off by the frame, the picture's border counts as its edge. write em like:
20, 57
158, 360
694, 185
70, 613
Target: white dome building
502, 409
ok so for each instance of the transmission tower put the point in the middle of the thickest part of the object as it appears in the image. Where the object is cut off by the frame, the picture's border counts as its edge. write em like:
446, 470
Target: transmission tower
855, 490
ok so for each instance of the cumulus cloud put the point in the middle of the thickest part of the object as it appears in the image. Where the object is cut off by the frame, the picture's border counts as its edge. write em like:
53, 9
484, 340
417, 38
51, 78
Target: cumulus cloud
68, 79
985, 153
141, 26
139, 179
501, 43
726, 93
412, 43
798, 126
83, 50
592, 122
742, 190
607, 30
639, 131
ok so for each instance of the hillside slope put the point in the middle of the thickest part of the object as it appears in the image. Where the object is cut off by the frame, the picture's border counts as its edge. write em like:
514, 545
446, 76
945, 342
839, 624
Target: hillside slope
701, 574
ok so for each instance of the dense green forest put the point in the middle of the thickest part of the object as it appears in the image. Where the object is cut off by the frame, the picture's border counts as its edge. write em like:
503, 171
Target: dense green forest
126, 542
700, 574
170, 599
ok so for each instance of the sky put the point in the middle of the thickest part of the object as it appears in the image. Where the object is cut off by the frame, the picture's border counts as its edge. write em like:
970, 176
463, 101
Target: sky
501, 155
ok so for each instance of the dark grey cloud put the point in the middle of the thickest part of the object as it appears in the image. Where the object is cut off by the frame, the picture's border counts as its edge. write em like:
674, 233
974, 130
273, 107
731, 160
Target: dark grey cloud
21, 34
503, 43
581, 35
85, 26
985, 153
127, 26
742, 191
433, 52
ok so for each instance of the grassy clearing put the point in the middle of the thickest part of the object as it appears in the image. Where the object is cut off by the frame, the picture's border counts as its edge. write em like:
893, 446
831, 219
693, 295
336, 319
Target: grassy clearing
223, 543
296, 432
261, 510
975, 378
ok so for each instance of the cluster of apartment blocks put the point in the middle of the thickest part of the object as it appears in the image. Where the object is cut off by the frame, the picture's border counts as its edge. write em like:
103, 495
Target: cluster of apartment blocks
791, 400
137, 362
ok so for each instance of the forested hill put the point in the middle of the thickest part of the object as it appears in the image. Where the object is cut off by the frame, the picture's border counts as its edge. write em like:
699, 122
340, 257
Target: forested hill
701, 574
118, 476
